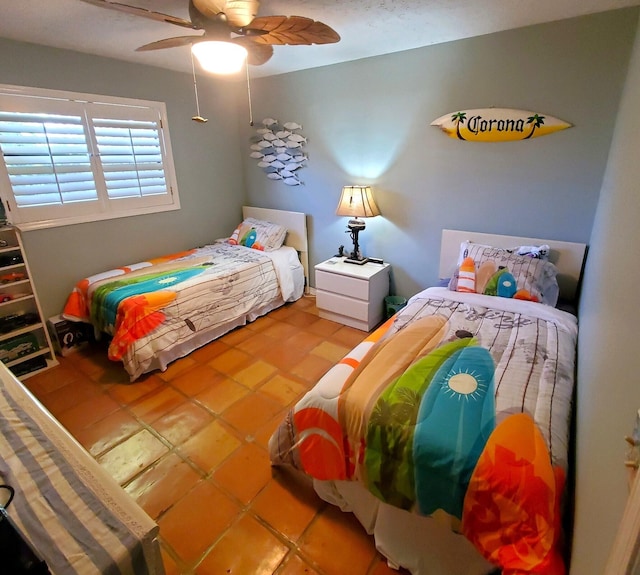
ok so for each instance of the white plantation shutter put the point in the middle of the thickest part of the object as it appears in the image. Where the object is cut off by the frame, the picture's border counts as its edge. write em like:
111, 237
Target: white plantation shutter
131, 158
67, 161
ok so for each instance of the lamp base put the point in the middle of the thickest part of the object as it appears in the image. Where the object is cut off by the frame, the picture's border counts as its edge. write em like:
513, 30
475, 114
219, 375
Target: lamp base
355, 261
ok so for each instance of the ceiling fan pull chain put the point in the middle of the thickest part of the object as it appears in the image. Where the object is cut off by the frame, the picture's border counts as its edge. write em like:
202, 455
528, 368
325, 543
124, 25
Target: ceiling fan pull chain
249, 94
197, 118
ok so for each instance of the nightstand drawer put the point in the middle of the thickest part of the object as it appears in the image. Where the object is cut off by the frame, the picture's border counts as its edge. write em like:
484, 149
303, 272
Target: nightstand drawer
344, 285
342, 305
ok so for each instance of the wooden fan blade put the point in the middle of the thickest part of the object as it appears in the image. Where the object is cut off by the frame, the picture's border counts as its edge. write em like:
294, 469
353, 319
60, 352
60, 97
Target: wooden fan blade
176, 42
158, 16
293, 30
238, 13
258, 54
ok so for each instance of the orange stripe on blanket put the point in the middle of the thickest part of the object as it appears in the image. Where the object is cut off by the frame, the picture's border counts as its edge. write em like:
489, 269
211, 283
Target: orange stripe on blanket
350, 361
378, 333
373, 337
170, 257
320, 444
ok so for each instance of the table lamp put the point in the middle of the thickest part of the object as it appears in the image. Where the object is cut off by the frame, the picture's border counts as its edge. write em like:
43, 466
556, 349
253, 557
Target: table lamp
357, 202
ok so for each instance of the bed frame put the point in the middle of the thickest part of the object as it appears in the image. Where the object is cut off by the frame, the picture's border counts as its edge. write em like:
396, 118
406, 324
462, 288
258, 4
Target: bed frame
568, 257
296, 224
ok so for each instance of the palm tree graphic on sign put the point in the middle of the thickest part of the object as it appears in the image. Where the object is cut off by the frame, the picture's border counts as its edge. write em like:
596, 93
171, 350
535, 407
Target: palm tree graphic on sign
459, 118
535, 121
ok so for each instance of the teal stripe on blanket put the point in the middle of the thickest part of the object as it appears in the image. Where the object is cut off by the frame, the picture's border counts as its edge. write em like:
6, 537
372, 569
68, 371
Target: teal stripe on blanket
107, 298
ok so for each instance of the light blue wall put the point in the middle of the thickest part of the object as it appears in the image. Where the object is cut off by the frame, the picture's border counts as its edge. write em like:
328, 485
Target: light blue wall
369, 122
208, 166
608, 395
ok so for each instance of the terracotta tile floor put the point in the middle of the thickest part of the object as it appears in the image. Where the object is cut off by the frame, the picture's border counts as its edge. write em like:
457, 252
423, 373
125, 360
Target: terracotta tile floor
190, 446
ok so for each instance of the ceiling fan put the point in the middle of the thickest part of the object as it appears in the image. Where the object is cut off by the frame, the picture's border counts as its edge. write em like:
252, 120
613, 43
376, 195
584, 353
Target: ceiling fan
231, 25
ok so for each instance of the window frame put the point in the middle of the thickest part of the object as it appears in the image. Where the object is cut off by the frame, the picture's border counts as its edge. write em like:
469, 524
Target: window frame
89, 107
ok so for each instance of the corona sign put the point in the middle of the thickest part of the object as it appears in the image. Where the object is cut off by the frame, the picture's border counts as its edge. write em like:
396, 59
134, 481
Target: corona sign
498, 125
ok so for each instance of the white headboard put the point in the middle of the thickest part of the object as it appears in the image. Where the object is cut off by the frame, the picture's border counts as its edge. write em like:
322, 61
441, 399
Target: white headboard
296, 224
568, 257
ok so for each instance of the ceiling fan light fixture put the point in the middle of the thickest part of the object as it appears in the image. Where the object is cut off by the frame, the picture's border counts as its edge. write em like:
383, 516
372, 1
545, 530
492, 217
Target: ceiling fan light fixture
219, 57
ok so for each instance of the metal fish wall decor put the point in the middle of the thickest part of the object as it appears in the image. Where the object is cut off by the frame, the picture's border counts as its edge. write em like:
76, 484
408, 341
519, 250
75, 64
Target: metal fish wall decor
498, 125
279, 150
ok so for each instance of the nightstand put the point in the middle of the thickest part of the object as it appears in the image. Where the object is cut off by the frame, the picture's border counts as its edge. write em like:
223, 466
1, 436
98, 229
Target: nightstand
352, 294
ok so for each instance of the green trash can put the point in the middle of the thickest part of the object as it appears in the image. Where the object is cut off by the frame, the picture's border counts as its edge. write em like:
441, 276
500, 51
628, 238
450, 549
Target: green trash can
393, 304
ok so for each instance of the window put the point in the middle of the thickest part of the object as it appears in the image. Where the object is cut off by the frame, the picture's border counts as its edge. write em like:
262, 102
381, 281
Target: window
70, 158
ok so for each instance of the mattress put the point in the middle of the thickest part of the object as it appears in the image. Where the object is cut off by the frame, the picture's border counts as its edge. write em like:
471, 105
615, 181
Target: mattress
76, 517
457, 409
160, 310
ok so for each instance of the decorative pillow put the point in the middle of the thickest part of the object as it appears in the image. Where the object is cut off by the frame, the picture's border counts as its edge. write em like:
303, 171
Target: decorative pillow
258, 235
502, 272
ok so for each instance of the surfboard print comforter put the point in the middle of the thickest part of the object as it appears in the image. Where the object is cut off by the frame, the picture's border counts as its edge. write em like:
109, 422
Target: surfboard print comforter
459, 405
159, 310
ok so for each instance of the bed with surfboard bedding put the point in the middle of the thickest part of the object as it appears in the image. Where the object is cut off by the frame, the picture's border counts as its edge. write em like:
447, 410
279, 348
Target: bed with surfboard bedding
159, 310
446, 431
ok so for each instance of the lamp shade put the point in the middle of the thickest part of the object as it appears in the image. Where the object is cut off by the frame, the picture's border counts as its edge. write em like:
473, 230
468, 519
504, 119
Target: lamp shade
357, 201
219, 57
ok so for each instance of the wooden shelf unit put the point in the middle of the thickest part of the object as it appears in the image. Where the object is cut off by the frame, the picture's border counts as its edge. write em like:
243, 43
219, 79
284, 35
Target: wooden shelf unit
18, 297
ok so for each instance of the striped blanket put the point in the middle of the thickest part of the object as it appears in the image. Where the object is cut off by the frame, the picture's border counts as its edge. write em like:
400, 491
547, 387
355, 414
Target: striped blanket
455, 408
76, 516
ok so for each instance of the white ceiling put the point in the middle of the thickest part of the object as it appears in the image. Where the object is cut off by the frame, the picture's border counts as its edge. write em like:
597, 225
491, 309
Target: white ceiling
367, 27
